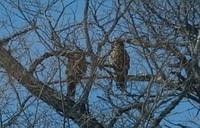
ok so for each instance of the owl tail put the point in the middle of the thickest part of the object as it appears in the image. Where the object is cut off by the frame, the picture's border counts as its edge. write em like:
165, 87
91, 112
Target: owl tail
71, 89
121, 82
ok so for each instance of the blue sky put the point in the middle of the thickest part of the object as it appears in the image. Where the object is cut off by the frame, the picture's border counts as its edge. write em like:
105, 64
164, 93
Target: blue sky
37, 49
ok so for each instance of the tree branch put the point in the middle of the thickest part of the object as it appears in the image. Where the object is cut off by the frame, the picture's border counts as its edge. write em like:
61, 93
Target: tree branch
50, 96
14, 117
173, 104
5, 40
85, 27
45, 56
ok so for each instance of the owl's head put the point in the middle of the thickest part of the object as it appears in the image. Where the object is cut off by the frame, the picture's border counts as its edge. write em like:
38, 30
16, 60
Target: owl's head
76, 54
119, 41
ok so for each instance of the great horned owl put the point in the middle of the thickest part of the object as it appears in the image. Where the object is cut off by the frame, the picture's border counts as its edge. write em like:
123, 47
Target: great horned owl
75, 69
119, 60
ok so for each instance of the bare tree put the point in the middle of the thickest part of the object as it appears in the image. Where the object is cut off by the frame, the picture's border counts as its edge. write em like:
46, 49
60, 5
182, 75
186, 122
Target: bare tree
162, 39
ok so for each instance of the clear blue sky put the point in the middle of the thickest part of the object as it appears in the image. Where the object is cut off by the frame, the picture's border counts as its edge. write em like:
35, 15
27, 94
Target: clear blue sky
183, 107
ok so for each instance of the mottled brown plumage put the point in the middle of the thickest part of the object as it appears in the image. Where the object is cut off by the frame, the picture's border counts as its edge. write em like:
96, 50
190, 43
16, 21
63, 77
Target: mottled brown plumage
76, 69
119, 60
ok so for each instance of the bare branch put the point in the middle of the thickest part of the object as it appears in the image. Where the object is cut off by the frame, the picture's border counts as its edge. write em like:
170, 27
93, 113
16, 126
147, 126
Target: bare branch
48, 95
85, 27
173, 104
7, 39
45, 56
22, 108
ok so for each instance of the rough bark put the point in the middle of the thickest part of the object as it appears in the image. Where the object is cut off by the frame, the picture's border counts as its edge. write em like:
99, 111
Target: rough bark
59, 102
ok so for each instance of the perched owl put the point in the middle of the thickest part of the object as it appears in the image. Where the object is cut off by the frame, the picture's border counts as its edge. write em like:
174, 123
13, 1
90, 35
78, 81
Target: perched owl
119, 60
75, 70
